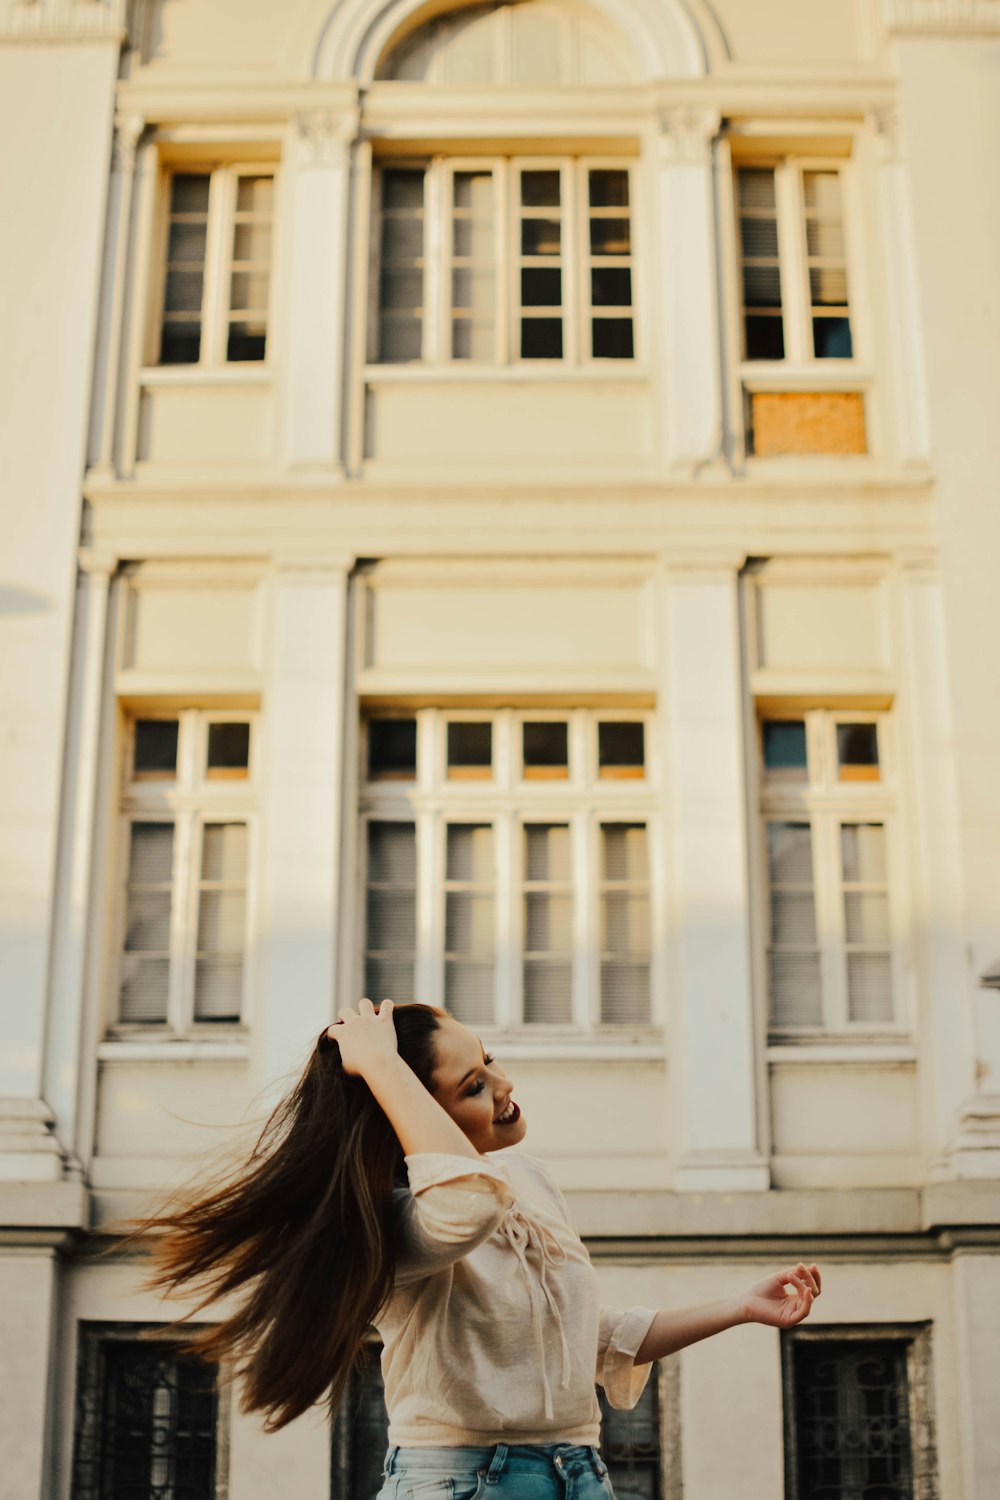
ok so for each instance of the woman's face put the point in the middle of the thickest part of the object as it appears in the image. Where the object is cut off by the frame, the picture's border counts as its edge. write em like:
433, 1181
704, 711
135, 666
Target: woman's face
474, 1090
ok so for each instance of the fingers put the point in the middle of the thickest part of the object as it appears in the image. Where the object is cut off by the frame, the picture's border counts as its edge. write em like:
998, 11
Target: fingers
803, 1278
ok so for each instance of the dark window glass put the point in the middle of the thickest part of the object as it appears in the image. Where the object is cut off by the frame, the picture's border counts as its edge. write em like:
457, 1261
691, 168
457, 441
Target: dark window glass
621, 747
613, 338
611, 286
832, 338
540, 189
608, 187
360, 1433
392, 748
187, 238
630, 1445
851, 1438
785, 747
546, 748
247, 341
470, 747
155, 747
857, 752
541, 338
228, 749
146, 1423
765, 338
541, 286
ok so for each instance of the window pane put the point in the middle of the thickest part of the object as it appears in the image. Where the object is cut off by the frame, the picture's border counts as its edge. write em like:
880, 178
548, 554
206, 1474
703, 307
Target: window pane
630, 1445
155, 747
540, 189
541, 338
761, 286
608, 187
760, 237
863, 852
218, 981
541, 287
151, 854
548, 992
221, 921
625, 926
187, 238
228, 749
184, 290
612, 338
795, 989
611, 286
793, 959
186, 242
246, 341
248, 291
756, 187
548, 925
547, 921
785, 748
180, 343
401, 278
224, 852
249, 287
793, 918
469, 922
392, 749
866, 916
789, 853
470, 748
403, 189
145, 965
541, 237
547, 851
473, 281
252, 241
390, 911
545, 749
826, 258
621, 748
765, 338
857, 752
610, 237
869, 987
832, 338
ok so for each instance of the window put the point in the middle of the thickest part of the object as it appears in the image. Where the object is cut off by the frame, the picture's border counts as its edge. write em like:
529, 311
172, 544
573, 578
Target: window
187, 803
500, 261
828, 832
508, 866
642, 1465
793, 262
217, 263
147, 1421
858, 1414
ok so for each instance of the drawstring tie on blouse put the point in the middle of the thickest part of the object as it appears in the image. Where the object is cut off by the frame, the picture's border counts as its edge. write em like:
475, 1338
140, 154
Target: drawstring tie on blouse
527, 1237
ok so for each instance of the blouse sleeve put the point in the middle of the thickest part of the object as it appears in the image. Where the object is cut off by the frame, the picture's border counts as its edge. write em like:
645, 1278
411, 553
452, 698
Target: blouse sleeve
453, 1204
619, 1338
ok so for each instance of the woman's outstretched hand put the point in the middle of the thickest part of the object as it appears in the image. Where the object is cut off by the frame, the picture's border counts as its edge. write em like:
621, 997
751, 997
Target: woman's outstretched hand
771, 1301
366, 1037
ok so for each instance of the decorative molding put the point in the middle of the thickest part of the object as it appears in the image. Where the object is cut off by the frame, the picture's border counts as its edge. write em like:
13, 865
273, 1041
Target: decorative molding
124, 145
687, 132
61, 20
886, 125
326, 136
929, 16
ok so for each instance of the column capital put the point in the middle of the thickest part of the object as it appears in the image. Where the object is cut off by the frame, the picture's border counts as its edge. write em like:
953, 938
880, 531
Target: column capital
933, 17
326, 135
886, 124
125, 142
686, 133
95, 563
919, 565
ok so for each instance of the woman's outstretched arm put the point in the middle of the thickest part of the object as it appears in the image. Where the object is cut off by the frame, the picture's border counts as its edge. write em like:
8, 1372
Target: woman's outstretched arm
768, 1302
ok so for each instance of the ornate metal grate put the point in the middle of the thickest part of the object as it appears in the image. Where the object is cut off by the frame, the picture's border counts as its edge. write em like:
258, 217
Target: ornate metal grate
146, 1422
360, 1434
852, 1421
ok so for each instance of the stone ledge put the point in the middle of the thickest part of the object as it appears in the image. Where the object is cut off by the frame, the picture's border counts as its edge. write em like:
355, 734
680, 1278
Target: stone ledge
44, 1205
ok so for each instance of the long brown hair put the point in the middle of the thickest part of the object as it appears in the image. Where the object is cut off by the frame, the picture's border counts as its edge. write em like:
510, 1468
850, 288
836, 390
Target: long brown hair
303, 1229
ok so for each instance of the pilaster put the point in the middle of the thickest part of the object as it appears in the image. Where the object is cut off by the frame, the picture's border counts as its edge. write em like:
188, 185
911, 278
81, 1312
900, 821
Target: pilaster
690, 350
305, 718
317, 358
109, 352
714, 1068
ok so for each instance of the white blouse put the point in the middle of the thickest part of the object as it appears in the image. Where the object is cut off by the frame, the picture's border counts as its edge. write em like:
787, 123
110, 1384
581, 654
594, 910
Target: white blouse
495, 1331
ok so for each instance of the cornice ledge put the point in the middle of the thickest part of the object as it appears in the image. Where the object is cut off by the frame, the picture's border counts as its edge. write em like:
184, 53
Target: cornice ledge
701, 564
62, 21
934, 17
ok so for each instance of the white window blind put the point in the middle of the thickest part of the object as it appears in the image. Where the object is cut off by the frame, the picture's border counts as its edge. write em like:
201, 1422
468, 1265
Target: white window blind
548, 924
794, 951
391, 911
218, 983
625, 931
145, 970
866, 921
469, 941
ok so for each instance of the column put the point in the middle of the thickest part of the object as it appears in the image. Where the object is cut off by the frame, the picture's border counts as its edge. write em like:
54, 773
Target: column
110, 333
318, 196
945, 1017
27, 1339
78, 919
302, 816
689, 335
713, 1061
897, 243
977, 1336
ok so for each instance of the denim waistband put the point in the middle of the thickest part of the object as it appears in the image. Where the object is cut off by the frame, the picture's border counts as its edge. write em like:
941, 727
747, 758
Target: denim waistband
500, 1458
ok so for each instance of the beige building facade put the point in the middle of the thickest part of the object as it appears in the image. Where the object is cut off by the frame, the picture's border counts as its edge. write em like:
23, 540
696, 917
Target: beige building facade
499, 507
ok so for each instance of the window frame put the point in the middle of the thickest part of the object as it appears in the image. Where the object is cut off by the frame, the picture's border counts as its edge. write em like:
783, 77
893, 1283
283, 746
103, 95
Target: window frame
189, 802
576, 309
799, 361
216, 309
508, 802
918, 1341
826, 804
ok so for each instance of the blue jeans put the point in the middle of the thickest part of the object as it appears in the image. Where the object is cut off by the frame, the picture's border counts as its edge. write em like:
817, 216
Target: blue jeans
554, 1471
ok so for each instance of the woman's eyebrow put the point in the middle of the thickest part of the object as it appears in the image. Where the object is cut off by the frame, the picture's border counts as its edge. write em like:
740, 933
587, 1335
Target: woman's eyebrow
473, 1070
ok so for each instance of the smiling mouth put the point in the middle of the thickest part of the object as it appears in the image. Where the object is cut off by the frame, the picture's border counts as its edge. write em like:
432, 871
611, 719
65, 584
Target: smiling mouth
510, 1114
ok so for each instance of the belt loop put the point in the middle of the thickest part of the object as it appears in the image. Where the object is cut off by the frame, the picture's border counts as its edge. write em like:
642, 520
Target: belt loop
600, 1467
389, 1467
498, 1464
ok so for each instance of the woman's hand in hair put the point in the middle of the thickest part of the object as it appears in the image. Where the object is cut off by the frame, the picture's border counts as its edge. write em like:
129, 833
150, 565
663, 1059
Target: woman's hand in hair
366, 1037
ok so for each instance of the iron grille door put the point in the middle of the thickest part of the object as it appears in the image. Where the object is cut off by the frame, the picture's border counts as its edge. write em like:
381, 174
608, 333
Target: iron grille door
630, 1446
852, 1437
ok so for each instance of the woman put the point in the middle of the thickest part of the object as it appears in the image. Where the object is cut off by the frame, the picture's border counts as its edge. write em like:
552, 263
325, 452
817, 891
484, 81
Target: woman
376, 1195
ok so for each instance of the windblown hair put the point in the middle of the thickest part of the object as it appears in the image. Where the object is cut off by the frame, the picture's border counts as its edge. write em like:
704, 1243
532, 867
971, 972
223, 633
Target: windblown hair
302, 1229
